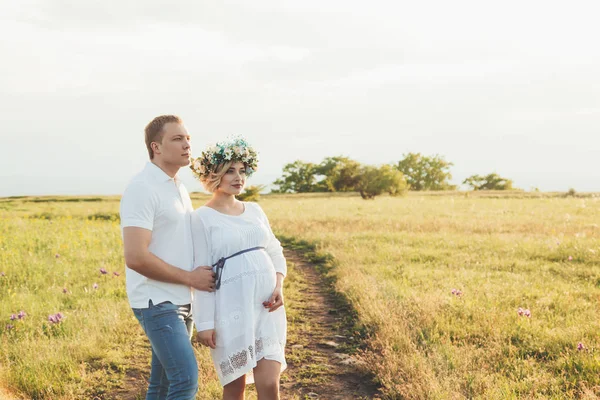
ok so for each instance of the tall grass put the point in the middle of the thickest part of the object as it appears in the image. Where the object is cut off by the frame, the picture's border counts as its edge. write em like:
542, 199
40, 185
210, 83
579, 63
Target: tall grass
52, 266
398, 260
53, 255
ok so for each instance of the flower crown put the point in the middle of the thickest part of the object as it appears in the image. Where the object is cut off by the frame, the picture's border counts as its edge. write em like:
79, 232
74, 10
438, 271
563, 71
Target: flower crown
235, 149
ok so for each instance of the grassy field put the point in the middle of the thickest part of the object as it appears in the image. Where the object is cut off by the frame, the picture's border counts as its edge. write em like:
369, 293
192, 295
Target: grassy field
53, 255
437, 281
399, 260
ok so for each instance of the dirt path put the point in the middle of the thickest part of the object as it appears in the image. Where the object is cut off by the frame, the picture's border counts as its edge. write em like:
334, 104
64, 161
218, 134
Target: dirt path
319, 341
135, 382
4, 395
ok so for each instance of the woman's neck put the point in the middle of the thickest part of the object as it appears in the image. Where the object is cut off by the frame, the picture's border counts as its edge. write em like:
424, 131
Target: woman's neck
223, 200
226, 204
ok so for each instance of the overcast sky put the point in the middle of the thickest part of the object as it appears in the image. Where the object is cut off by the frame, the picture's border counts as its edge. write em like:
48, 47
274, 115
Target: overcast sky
511, 87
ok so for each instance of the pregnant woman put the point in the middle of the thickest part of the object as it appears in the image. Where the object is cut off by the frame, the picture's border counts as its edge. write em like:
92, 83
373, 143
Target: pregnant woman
243, 321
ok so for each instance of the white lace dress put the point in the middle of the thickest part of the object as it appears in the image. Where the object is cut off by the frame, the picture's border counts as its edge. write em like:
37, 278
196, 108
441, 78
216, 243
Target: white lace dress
245, 331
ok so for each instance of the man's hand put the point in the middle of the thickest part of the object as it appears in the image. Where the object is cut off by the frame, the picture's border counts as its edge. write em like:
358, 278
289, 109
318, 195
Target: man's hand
275, 301
202, 278
207, 338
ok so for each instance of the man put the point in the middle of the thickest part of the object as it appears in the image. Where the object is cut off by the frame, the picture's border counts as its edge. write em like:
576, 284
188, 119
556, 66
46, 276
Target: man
157, 239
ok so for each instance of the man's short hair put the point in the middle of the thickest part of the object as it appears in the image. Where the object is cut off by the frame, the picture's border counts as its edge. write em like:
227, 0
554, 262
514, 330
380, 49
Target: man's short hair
154, 130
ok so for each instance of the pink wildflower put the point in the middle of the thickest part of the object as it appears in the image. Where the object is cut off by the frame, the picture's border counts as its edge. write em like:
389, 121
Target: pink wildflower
103, 271
570, 258
95, 286
65, 290
21, 314
524, 312
55, 318
580, 346
57, 255
13, 317
116, 273
9, 326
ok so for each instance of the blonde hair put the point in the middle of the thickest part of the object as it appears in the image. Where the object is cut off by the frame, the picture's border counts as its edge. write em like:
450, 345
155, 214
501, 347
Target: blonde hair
154, 130
213, 180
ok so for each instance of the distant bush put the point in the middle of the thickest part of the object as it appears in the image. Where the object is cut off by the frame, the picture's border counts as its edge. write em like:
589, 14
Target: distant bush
426, 172
340, 174
65, 200
298, 177
44, 215
105, 217
571, 193
488, 182
375, 181
251, 193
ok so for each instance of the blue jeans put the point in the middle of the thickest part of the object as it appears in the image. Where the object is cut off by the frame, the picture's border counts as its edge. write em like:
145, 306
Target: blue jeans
174, 374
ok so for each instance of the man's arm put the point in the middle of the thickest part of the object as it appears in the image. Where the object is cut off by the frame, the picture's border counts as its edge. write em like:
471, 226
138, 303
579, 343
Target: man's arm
141, 260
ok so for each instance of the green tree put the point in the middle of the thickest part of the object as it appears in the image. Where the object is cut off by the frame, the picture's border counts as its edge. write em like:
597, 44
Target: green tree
340, 174
251, 193
426, 173
298, 177
374, 181
489, 182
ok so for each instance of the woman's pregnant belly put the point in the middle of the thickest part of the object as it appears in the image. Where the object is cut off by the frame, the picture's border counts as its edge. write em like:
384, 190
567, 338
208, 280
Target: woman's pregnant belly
248, 280
248, 277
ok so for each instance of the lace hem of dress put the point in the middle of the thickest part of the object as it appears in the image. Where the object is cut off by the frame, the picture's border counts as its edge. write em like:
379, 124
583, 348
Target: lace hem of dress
240, 359
244, 274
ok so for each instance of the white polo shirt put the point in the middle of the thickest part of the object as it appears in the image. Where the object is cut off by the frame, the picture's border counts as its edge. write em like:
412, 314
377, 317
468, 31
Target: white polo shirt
161, 204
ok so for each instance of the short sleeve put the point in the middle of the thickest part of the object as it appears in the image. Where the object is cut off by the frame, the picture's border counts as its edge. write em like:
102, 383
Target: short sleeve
203, 307
138, 206
274, 248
